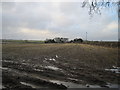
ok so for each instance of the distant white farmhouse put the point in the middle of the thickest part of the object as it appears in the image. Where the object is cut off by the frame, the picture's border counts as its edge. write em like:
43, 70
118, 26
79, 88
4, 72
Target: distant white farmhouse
60, 40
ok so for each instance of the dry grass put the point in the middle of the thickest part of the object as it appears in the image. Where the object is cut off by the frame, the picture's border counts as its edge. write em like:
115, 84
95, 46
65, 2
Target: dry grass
94, 56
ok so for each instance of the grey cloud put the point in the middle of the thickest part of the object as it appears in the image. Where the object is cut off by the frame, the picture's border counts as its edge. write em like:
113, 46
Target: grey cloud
64, 19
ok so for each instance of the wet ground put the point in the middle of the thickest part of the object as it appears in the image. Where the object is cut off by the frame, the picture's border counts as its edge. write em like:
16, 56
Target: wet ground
31, 66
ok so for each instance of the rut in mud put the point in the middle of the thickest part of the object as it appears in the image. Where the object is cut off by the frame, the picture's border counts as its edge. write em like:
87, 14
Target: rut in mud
58, 66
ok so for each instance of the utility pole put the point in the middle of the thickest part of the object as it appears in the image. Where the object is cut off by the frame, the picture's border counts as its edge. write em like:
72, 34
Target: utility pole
86, 36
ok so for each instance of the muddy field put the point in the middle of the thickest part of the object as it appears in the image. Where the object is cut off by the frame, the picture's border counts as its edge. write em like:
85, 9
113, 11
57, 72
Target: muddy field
111, 44
59, 66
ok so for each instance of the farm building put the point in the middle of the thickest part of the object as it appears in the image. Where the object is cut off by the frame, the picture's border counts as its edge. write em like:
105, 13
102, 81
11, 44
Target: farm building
61, 40
57, 40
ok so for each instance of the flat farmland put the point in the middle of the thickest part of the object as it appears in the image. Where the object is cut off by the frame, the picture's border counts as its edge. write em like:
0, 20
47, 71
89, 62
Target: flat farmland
67, 65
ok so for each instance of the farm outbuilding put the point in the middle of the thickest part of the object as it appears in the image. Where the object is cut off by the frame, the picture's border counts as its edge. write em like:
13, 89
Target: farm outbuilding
61, 40
57, 40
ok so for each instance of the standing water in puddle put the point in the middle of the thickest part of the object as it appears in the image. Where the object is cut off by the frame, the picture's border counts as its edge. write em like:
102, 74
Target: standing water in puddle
115, 70
3, 68
31, 85
73, 85
52, 67
56, 56
112, 85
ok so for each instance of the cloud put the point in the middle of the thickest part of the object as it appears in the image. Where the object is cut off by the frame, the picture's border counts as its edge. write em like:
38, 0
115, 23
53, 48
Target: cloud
34, 33
112, 26
108, 32
41, 20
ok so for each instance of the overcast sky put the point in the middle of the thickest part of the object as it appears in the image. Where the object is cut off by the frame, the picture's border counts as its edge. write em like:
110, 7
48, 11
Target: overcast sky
41, 20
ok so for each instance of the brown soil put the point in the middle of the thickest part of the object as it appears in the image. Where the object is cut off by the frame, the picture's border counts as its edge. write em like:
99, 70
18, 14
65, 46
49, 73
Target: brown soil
78, 63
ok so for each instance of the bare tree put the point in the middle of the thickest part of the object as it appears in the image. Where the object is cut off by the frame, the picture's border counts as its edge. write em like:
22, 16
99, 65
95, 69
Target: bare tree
95, 6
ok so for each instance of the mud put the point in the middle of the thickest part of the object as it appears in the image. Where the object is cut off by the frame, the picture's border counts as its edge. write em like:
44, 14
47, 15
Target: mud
47, 69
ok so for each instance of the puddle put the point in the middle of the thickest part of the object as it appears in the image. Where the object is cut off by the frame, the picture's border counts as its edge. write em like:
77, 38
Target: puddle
68, 84
38, 70
113, 85
31, 85
23, 60
7, 61
115, 70
73, 79
56, 56
52, 67
94, 86
3, 68
74, 85
52, 59
24, 63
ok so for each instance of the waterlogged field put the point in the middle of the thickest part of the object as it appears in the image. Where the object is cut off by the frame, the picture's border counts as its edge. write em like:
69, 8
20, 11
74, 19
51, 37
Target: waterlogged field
59, 66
